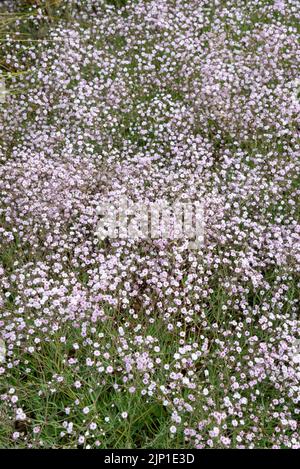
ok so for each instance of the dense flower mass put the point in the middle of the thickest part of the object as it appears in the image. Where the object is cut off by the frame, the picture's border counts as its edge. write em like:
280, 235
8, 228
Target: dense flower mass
147, 343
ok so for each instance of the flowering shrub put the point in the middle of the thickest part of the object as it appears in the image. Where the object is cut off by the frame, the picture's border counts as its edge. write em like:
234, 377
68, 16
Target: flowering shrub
147, 343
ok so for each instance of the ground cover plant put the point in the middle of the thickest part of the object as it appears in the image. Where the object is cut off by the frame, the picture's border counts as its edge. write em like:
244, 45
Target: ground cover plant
119, 343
